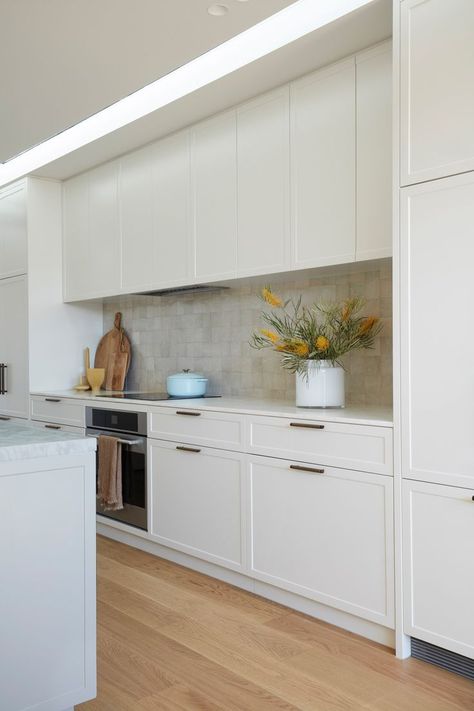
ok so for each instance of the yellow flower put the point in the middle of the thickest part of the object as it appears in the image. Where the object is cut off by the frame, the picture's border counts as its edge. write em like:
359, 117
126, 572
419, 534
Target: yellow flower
367, 324
301, 349
271, 335
322, 343
270, 297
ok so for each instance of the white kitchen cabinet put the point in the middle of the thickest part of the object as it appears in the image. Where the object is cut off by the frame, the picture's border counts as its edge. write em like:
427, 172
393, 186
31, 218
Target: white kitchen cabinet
214, 196
438, 547
13, 231
323, 146
136, 220
171, 255
196, 499
437, 103
91, 235
437, 289
64, 411
223, 430
374, 153
14, 345
331, 443
325, 534
263, 189
103, 274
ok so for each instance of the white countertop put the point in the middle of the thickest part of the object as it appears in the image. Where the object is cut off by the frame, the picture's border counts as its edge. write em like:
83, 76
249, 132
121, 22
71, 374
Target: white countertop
22, 441
360, 415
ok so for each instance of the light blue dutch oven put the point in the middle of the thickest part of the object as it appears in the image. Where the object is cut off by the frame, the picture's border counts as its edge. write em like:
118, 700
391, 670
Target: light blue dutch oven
186, 384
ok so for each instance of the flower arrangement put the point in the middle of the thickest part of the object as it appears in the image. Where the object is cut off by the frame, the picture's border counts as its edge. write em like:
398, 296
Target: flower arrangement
314, 333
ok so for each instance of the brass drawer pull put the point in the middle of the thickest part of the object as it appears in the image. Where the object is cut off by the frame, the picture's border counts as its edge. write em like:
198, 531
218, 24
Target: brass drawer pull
185, 412
188, 449
306, 425
53, 427
52, 399
313, 470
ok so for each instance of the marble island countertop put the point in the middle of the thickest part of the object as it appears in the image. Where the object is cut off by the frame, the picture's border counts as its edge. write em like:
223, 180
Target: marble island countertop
22, 441
381, 416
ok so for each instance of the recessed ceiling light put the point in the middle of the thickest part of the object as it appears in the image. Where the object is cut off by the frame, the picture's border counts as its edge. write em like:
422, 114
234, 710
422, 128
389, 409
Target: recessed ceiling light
218, 10
290, 24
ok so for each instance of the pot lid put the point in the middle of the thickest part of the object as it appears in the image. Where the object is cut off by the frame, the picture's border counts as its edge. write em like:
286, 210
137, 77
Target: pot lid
186, 374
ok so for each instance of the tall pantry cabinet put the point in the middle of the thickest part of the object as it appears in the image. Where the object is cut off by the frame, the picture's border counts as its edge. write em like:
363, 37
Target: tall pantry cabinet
41, 338
436, 254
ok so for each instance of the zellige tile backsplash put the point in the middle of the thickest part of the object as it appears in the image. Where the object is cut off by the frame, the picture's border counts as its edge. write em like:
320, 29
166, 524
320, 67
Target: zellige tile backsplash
209, 333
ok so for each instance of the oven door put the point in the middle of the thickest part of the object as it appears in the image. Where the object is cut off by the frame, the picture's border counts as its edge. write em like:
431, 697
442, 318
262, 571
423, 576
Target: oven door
134, 490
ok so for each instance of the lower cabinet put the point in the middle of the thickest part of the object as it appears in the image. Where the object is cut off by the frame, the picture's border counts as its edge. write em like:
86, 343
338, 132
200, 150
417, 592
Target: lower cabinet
197, 501
324, 533
438, 560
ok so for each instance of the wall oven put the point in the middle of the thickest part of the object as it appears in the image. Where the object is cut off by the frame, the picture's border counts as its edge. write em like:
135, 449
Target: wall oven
131, 429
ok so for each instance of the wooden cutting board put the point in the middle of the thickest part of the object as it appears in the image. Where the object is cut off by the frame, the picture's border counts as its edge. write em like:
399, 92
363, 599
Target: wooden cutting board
114, 353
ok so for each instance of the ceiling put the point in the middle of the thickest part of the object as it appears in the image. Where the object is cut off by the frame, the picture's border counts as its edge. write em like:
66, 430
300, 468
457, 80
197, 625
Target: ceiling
56, 94
63, 60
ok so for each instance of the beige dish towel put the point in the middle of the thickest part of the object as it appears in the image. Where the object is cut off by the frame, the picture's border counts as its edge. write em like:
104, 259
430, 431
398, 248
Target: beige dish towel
110, 473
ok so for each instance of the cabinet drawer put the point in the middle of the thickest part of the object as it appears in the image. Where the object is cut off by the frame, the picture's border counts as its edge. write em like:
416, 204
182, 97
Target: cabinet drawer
324, 533
54, 427
56, 410
349, 446
196, 501
213, 429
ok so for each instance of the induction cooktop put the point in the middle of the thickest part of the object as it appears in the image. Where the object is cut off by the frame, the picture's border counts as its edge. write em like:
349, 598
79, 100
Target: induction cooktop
152, 397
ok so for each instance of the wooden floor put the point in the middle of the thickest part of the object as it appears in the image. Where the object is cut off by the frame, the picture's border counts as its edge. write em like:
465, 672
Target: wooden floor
169, 638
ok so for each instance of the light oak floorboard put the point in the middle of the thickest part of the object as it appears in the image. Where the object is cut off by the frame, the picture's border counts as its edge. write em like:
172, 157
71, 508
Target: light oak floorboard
173, 639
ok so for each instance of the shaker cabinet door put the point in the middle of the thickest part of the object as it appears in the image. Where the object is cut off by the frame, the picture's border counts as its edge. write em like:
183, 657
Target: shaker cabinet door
214, 192
374, 153
438, 550
323, 166
13, 231
323, 533
263, 189
437, 339
14, 345
437, 100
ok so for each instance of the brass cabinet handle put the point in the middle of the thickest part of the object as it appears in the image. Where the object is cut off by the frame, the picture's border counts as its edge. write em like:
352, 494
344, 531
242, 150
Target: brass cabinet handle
53, 427
306, 425
186, 412
52, 399
188, 449
313, 470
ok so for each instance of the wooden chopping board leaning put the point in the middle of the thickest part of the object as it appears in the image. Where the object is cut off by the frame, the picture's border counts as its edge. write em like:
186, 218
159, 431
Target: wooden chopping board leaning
114, 353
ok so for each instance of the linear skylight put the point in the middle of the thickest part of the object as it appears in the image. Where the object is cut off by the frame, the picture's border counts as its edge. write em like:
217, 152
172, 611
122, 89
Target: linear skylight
278, 30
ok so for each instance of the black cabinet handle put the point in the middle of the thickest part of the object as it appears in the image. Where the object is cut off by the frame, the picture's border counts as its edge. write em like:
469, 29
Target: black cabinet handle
306, 425
313, 470
52, 427
3, 379
186, 412
188, 449
4, 419
52, 399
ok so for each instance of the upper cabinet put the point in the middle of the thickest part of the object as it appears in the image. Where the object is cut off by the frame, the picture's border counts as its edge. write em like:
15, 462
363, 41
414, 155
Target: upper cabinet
13, 231
263, 187
296, 178
374, 153
214, 197
91, 234
437, 101
323, 167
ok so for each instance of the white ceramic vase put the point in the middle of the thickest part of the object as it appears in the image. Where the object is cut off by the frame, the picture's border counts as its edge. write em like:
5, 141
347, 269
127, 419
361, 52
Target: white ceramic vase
322, 386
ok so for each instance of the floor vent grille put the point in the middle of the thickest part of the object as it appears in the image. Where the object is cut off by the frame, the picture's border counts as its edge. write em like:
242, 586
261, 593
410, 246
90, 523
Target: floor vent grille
442, 658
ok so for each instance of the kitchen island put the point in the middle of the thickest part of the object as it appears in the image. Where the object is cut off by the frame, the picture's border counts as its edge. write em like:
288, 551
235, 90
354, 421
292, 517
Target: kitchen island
47, 571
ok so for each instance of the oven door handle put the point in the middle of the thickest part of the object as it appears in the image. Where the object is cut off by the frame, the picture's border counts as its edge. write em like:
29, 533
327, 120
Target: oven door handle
121, 441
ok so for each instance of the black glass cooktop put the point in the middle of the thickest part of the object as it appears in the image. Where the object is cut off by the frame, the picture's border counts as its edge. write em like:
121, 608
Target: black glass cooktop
152, 397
